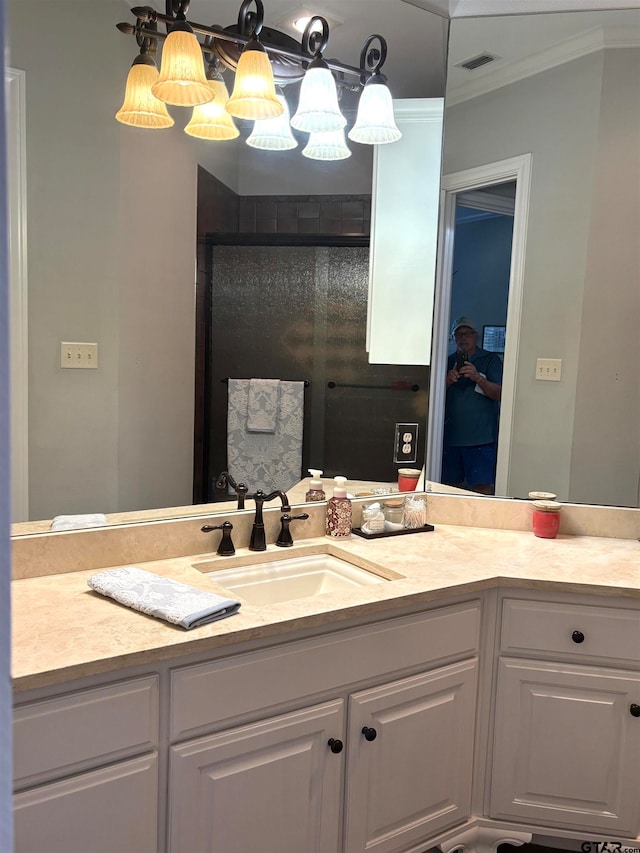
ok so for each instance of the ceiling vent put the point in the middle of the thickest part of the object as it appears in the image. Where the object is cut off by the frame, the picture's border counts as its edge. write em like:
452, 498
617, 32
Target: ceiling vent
478, 61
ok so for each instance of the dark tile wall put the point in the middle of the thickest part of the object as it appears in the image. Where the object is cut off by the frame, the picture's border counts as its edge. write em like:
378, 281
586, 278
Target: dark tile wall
311, 214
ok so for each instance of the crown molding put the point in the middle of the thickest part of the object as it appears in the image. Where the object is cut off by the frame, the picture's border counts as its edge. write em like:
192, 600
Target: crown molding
418, 109
558, 54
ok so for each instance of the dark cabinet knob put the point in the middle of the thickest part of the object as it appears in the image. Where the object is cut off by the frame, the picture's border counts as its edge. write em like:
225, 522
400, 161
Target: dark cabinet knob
577, 637
369, 733
335, 745
634, 710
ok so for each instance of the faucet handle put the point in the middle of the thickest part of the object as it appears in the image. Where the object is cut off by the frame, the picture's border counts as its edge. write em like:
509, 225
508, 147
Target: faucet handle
225, 546
285, 539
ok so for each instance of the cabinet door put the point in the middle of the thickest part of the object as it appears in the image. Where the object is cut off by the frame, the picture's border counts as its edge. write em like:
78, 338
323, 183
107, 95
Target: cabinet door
112, 810
414, 777
272, 786
567, 749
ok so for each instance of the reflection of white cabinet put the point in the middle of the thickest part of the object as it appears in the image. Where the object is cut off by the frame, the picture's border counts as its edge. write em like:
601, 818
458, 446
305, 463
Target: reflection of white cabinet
567, 729
404, 229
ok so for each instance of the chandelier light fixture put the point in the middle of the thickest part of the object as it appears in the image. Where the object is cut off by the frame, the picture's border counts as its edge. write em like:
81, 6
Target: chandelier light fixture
261, 59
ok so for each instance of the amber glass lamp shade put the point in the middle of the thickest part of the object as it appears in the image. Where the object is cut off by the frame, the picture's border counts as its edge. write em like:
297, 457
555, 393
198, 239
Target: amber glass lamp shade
211, 120
141, 108
182, 79
254, 93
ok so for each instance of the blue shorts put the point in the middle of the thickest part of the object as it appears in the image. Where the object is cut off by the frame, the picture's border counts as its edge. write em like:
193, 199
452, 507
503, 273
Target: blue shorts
475, 466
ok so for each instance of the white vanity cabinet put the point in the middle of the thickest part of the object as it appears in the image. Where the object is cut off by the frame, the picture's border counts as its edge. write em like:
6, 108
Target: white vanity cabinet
273, 786
567, 717
86, 770
409, 759
388, 757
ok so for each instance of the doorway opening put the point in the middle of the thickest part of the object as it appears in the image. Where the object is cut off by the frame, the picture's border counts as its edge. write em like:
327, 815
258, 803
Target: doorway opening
503, 186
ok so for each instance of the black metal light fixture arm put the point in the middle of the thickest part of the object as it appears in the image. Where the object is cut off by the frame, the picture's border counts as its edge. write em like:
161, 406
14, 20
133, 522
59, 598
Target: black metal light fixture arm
147, 14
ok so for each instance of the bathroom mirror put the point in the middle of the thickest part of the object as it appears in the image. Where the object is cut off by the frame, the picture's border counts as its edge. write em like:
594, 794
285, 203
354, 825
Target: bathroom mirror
111, 232
102, 250
560, 95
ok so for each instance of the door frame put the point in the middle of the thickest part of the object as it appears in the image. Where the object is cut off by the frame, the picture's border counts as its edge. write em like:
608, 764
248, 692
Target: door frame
516, 169
18, 317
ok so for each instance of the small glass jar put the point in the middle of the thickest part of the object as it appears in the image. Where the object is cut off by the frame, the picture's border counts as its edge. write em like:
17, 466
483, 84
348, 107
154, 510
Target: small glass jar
546, 519
393, 510
414, 512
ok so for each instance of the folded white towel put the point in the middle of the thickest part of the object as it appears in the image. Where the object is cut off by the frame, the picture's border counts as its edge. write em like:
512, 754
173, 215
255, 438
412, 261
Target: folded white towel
77, 522
162, 597
262, 407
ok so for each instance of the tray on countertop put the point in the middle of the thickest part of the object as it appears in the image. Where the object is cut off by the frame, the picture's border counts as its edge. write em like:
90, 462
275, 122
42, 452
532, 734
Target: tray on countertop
426, 528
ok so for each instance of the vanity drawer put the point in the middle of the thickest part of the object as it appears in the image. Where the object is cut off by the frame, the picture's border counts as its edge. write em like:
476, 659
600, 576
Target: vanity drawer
203, 695
572, 631
55, 737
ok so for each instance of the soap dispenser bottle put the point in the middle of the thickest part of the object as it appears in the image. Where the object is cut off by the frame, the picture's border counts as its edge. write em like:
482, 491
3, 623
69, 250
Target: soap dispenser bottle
339, 515
315, 491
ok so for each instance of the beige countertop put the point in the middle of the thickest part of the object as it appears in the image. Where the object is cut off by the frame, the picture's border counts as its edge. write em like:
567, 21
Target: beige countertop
63, 631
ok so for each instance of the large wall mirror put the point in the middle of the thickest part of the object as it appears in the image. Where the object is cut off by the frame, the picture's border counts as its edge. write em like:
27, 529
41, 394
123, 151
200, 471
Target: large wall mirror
111, 216
555, 98
111, 221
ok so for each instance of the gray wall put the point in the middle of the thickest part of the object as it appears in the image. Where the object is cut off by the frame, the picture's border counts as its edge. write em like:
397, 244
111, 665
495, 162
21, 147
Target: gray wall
112, 245
561, 116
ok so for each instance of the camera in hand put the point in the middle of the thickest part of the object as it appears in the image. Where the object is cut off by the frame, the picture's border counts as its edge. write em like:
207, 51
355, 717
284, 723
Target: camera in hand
461, 358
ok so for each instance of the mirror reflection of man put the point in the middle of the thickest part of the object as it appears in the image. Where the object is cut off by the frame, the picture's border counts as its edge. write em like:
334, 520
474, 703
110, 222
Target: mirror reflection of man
472, 410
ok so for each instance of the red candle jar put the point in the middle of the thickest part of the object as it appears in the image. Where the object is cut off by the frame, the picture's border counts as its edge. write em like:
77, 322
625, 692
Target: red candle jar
408, 479
546, 519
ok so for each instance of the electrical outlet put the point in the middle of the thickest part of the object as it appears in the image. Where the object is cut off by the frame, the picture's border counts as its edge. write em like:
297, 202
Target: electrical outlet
405, 448
549, 369
78, 355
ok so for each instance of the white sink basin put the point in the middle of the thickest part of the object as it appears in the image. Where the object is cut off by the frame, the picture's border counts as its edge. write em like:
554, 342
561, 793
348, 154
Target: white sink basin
295, 577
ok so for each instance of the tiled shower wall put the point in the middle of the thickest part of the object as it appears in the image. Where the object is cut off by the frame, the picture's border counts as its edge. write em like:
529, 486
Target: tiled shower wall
314, 214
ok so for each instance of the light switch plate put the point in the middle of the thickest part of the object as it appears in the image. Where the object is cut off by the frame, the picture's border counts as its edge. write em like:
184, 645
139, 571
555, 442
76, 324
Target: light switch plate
549, 369
78, 355
405, 448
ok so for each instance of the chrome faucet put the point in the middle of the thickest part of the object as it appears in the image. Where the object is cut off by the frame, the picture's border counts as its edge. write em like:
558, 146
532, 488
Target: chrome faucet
258, 541
225, 479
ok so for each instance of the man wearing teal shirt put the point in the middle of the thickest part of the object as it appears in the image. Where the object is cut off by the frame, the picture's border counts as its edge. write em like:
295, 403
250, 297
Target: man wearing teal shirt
472, 410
